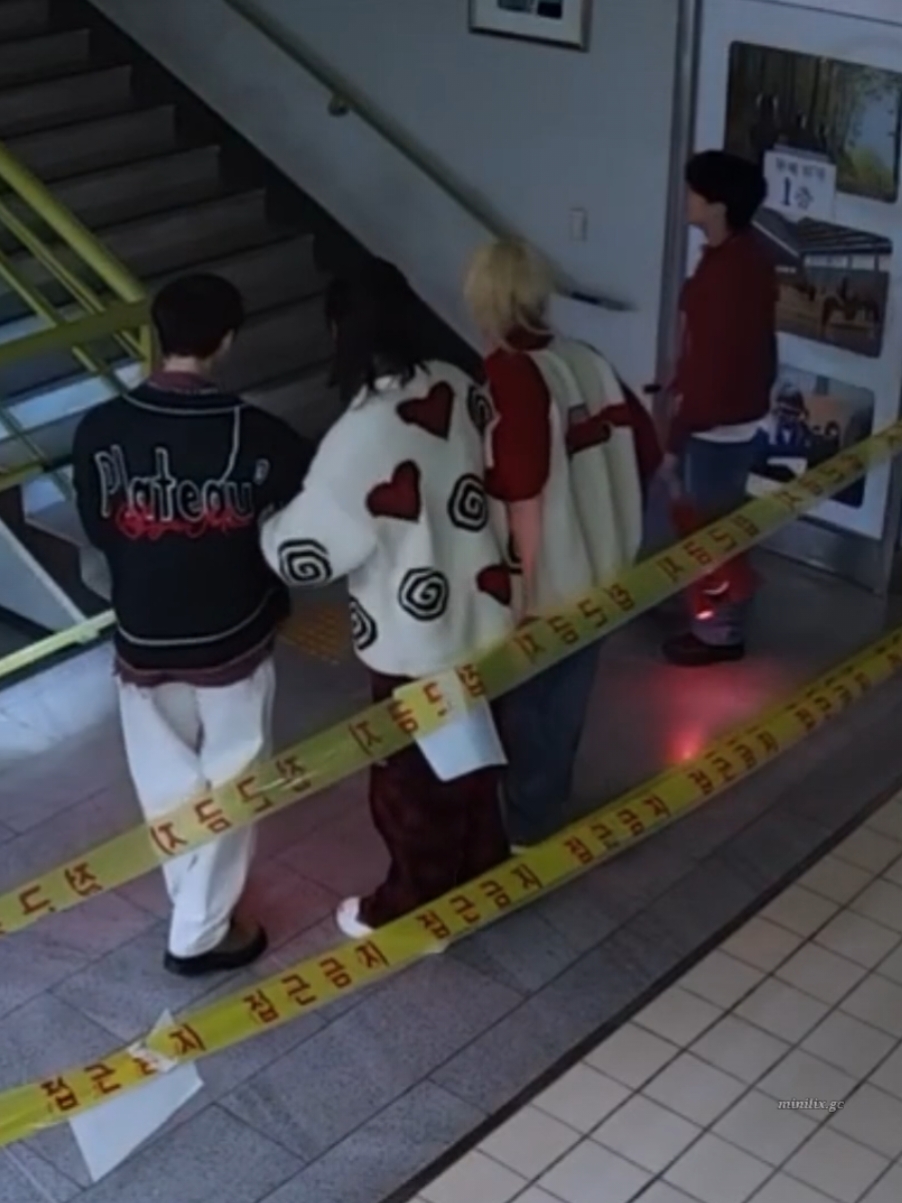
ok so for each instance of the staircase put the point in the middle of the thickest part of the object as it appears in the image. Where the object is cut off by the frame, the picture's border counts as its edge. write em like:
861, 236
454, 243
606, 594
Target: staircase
167, 187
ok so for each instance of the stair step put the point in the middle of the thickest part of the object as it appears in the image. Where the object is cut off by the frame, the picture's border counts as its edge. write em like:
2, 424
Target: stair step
62, 101
267, 276
168, 242
19, 380
270, 275
281, 342
51, 415
93, 145
172, 241
307, 402
305, 399
19, 18
31, 376
122, 194
271, 278
53, 441
35, 58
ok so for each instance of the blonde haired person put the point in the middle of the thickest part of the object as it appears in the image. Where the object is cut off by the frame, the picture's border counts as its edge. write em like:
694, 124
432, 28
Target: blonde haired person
568, 449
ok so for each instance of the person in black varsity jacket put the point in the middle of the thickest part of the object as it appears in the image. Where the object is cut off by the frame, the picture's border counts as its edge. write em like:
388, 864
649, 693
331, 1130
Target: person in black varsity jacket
172, 480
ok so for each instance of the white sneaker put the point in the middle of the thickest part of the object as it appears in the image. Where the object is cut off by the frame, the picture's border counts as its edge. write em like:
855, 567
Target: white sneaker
348, 919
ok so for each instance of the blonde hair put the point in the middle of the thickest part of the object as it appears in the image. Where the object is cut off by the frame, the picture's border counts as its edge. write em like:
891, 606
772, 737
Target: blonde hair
508, 287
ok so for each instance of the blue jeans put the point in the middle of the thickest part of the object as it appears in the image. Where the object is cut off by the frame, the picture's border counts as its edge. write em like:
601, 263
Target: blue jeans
542, 723
715, 477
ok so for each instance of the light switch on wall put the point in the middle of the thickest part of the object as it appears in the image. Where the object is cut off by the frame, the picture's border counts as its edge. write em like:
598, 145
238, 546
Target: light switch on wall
579, 225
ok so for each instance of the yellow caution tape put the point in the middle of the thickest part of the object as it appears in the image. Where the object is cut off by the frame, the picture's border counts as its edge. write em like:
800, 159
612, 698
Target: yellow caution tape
319, 980
379, 731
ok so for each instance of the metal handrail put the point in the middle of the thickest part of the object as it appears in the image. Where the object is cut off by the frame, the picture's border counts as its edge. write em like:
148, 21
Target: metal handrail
89, 249
49, 260
124, 317
61, 335
346, 98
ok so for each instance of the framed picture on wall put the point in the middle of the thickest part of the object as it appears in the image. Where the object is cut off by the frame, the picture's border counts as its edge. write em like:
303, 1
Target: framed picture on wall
812, 418
848, 114
833, 281
557, 22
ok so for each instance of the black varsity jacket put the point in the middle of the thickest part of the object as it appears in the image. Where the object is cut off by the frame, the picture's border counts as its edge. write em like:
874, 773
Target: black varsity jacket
172, 480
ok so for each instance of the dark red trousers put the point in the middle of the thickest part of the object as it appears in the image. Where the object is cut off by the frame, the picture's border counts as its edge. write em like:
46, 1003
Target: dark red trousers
439, 834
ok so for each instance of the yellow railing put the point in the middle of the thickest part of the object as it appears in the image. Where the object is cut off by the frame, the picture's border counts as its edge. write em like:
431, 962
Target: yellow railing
110, 303
62, 336
78, 238
95, 299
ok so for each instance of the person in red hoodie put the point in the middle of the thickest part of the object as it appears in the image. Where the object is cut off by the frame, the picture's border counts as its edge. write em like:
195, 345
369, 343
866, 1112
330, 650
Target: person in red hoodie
725, 374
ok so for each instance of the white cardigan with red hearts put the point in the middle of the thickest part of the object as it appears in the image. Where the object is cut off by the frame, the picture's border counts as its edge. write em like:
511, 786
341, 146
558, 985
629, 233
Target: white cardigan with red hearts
395, 501
592, 507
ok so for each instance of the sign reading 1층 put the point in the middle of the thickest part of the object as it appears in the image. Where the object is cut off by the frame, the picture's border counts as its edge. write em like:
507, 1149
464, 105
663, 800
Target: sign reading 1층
800, 185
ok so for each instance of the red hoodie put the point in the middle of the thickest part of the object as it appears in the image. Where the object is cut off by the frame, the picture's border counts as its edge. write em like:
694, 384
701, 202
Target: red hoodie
728, 358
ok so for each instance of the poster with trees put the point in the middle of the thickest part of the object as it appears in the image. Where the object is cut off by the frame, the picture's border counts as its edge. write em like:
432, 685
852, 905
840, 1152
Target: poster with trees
847, 113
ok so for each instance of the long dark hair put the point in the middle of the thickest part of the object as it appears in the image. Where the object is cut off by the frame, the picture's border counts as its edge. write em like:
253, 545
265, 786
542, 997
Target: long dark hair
729, 180
375, 320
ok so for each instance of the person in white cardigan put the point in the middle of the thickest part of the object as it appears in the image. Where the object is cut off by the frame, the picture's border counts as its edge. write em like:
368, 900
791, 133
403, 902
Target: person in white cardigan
395, 501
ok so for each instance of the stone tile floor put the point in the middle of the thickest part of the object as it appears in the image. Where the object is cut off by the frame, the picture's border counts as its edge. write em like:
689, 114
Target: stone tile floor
770, 1072
358, 1102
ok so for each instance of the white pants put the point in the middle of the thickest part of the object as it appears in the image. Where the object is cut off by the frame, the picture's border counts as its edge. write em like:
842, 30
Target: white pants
181, 741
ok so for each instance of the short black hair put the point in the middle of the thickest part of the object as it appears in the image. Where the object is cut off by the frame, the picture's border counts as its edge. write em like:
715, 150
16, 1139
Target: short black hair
378, 329
729, 180
193, 315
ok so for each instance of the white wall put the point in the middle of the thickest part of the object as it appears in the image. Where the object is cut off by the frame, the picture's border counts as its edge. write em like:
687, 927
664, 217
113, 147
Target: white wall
536, 130
805, 27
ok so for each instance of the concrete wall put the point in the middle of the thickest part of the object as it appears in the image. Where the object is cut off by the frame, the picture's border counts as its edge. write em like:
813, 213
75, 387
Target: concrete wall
537, 131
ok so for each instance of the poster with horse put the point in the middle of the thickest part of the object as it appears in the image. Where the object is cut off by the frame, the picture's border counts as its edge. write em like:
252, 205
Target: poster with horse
834, 281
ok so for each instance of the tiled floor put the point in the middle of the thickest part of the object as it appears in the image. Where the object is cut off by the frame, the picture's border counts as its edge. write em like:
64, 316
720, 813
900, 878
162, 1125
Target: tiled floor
771, 1072
355, 1104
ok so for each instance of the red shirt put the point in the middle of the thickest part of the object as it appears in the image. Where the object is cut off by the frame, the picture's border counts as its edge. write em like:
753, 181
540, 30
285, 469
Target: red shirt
521, 436
728, 360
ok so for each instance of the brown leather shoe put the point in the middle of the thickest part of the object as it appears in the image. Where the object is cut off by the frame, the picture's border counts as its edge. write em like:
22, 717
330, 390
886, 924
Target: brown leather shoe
242, 946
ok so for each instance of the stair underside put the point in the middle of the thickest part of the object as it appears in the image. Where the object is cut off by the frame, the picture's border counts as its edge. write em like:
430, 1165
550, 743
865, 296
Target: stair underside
163, 205
167, 190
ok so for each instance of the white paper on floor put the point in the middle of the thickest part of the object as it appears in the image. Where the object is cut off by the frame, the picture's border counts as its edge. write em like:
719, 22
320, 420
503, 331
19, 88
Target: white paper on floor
109, 1134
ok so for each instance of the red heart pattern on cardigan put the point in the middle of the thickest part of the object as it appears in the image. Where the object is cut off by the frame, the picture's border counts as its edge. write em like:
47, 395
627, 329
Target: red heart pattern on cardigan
399, 497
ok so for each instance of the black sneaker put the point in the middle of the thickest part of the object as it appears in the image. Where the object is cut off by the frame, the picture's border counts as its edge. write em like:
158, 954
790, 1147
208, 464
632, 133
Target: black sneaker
241, 947
688, 651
